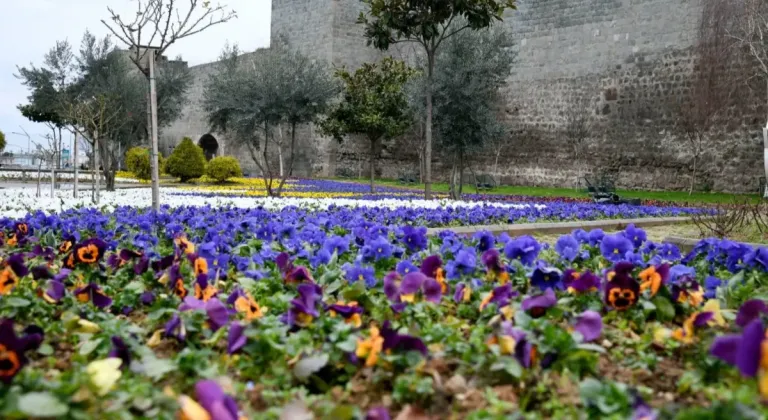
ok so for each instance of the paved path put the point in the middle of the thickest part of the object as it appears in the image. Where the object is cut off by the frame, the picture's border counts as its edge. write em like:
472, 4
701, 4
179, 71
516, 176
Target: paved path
562, 227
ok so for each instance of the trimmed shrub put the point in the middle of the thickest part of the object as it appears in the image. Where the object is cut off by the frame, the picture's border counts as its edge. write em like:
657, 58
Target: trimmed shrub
137, 161
187, 161
222, 168
133, 157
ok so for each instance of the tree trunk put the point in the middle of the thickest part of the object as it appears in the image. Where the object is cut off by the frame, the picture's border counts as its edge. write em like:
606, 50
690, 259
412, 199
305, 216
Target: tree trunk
290, 162
461, 174
280, 148
452, 189
693, 174
765, 150
74, 167
58, 156
428, 128
267, 172
372, 163
96, 174
53, 178
39, 175
496, 163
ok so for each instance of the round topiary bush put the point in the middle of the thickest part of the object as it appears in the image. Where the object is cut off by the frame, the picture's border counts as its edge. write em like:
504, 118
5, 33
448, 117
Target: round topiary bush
187, 161
222, 168
137, 162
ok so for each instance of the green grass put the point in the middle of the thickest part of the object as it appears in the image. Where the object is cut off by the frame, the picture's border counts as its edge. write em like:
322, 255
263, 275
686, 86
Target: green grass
674, 196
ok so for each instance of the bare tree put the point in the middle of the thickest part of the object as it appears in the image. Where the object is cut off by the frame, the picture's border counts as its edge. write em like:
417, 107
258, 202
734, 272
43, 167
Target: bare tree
714, 84
751, 32
156, 25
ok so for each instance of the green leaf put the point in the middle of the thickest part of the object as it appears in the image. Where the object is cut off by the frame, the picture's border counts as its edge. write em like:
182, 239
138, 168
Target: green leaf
45, 349
349, 345
309, 365
89, 346
17, 302
135, 286
42, 404
343, 412
665, 311
591, 347
333, 287
156, 368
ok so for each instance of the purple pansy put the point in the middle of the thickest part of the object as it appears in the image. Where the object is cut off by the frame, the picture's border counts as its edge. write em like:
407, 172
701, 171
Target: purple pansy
750, 310
524, 248
537, 305
615, 247
236, 337
590, 325
404, 289
567, 247
92, 292
303, 309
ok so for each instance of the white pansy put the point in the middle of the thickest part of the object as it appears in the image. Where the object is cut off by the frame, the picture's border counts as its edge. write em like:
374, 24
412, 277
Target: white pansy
17, 202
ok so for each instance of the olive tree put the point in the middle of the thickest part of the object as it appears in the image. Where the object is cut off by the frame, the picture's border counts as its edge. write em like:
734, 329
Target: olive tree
252, 94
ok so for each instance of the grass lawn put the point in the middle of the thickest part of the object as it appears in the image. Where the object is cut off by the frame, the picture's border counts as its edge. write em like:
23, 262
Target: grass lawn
677, 196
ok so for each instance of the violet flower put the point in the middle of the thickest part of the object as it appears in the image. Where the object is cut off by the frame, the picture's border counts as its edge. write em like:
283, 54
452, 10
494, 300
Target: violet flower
92, 292
12, 357
524, 248
749, 311
303, 308
236, 338
748, 351
590, 325
405, 290
121, 351
537, 305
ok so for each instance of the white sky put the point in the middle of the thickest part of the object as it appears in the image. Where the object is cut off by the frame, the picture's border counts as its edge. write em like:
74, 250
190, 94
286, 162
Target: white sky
32, 27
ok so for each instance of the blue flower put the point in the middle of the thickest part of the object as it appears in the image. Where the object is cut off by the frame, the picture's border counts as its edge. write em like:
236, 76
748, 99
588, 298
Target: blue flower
545, 277
636, 235
381, 248
711, 284
414, 238
404, 267
595, 236
669, 252
679, 271
568, 247
485, 240
356, 272
463, 264
336, 244
524, 248
615, 247
322, 257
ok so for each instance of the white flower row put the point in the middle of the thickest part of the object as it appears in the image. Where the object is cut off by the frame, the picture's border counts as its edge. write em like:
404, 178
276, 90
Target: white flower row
17, 202
45, 174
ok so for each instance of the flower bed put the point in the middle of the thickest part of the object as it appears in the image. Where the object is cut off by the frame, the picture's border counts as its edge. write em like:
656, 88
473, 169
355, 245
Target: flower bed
220, 313
45, 175
18, 202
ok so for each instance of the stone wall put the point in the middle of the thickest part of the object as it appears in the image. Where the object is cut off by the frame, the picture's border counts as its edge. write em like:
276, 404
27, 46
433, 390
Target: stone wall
622, 62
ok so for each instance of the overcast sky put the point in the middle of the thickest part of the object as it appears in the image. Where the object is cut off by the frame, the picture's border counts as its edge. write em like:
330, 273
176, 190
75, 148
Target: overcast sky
31, 28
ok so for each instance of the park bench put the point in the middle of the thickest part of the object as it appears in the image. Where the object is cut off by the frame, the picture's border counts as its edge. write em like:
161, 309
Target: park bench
345, 173
484, 182
407, 178
602, 189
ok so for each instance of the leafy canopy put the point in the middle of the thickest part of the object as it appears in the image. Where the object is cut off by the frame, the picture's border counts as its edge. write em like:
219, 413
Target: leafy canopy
427, 22
374, 103
473, 66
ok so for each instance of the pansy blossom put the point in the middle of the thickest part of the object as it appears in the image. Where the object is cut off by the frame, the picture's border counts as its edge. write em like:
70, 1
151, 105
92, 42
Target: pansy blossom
622, 290
87, 252
748, 351
212, 404
13, 269
579, 283
93, 293
536, 306
303, 309
495, 270
244, 303
405, 289
218, 316
432, 267
653, 278
687, 290
512, 341
349, 311
13, 347
204, 290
